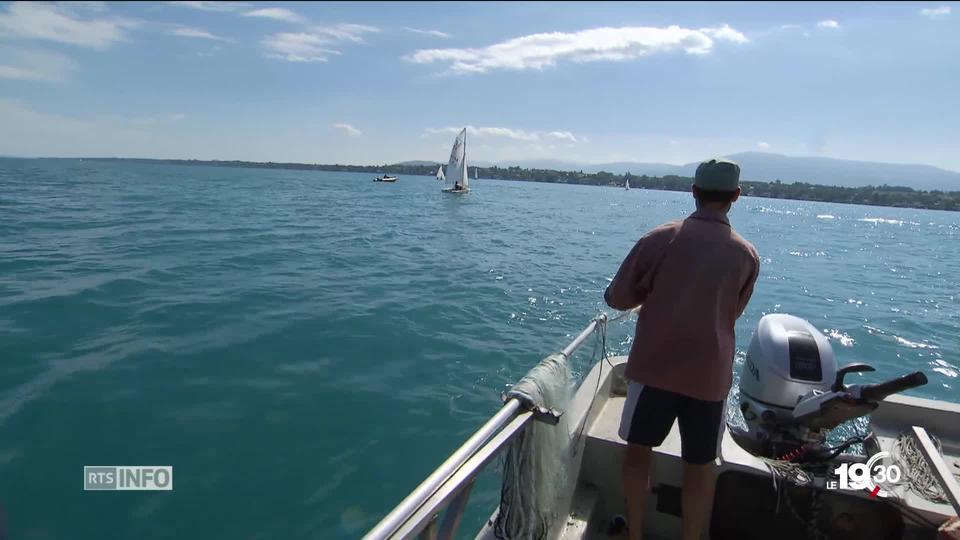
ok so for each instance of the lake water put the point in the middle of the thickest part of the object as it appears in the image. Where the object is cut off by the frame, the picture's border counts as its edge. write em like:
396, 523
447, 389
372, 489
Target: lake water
305, 347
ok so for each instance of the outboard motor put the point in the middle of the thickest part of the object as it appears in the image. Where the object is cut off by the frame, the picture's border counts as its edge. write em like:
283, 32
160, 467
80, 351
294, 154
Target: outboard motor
792, 394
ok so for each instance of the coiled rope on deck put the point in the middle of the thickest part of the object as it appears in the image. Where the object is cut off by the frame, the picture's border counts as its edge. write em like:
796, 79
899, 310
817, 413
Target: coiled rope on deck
916, 469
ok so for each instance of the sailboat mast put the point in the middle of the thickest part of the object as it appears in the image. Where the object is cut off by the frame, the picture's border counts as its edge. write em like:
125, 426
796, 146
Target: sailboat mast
465, 179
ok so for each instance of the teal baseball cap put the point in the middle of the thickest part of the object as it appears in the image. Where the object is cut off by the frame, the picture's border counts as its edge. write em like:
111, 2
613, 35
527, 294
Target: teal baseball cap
718, 174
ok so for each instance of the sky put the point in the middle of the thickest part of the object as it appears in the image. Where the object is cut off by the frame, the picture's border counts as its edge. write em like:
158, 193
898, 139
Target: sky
371, 83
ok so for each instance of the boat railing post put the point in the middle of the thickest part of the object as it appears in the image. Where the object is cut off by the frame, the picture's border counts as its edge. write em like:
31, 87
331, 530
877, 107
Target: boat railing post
415, 499
577, 341
938, 467
454, 513
462, 479
430, 531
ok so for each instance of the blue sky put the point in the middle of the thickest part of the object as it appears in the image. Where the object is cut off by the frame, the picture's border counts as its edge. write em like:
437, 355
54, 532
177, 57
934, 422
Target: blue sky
383, 82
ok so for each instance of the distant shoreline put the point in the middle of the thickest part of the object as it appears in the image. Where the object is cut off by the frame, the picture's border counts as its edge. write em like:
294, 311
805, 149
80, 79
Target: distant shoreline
891, 196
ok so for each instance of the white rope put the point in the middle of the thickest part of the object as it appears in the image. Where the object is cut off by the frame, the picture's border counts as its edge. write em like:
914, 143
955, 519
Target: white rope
623, 315
787, 470
916, 469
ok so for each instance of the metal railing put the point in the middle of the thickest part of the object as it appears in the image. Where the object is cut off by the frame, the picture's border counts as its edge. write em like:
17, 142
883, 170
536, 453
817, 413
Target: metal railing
449, 486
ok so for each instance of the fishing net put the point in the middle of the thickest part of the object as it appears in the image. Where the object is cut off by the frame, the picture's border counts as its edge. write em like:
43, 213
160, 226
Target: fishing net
534, 471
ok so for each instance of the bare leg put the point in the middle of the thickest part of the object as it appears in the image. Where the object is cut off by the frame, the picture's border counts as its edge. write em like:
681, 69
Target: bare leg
636, 485
698, 485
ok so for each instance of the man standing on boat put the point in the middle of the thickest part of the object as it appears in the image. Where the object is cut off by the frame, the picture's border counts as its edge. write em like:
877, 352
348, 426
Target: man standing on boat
693, 278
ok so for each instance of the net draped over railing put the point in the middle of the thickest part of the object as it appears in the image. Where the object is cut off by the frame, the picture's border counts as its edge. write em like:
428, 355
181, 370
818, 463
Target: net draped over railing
533, 475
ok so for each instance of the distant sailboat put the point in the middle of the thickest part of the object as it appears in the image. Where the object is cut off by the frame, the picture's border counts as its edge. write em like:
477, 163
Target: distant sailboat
440, 173
457, 177
626, 185
476, 173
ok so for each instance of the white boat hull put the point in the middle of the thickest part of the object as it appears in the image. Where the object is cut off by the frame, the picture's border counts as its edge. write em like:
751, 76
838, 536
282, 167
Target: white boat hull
745, 497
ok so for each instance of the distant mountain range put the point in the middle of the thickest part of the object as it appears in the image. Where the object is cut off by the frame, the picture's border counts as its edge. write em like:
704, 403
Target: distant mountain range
766, 167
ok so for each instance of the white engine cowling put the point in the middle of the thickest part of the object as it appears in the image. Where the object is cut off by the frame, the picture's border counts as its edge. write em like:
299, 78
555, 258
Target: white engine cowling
792, 394
788, 359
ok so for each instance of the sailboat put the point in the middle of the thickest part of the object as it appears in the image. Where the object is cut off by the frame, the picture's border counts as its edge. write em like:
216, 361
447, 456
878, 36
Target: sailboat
626, 184
440, 173
457, 177
476, 173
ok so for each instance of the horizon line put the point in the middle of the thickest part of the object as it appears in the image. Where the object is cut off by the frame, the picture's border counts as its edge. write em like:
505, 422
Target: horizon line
501, 162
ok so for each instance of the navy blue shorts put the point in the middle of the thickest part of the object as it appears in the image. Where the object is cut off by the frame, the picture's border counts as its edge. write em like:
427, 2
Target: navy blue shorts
649, 413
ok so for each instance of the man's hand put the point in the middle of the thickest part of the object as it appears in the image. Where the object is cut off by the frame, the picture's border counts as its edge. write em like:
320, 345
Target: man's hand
949, 530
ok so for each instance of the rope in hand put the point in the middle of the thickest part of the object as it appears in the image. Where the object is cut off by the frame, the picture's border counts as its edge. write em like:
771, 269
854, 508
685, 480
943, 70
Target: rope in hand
600, 342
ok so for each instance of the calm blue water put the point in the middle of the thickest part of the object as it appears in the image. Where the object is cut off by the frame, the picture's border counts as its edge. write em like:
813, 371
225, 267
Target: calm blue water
304, 347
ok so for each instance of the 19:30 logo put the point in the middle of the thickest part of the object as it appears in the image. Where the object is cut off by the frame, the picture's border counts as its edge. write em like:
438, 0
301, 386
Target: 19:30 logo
868, 475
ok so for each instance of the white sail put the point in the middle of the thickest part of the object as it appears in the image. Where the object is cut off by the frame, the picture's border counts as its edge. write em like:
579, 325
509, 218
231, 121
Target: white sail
440, 173
476, 173
466, 173
457, 166
627, 185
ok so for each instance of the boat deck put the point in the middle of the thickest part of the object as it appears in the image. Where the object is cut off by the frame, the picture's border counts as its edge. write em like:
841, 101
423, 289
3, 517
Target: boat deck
744, 483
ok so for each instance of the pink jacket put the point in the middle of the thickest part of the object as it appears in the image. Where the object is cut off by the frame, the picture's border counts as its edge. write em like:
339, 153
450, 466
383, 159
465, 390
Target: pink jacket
694, 278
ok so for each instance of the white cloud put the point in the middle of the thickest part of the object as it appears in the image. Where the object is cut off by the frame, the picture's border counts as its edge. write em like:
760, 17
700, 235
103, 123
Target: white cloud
789, 26
20, 72
348, 130
725, 33
516, 134
298, 47
186, 31
937, 12
34, 65
212, 51
213, 6
763, 145
829, 23
346, 31
539, 51
509, 133
562, 135
434, 33
315, 45
279, 14
50, 22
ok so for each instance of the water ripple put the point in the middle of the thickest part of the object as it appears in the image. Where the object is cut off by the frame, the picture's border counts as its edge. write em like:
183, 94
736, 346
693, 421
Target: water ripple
310, 334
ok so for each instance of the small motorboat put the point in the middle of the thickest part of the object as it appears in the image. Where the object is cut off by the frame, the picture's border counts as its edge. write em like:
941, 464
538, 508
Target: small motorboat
385, 178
